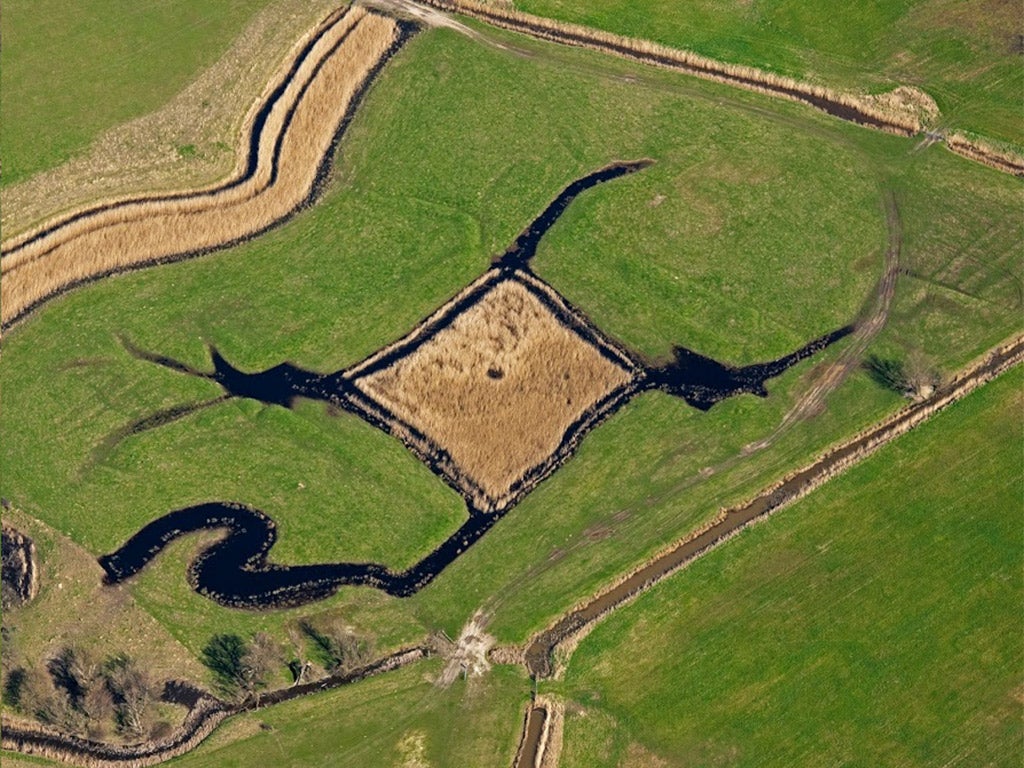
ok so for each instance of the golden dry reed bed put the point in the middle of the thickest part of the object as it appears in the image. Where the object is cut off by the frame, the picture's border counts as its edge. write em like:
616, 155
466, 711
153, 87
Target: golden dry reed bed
481, 387
281, 80
145, 155
299, 130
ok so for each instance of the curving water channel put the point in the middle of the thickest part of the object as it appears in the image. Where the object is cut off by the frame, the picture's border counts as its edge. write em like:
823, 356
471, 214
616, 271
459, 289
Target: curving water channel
236, 571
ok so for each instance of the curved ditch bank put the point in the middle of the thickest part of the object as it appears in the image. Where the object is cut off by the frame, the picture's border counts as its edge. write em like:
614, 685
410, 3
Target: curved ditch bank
538, 656
836, 104
251, 140
902, 119
235, 570
296, 132
205, 714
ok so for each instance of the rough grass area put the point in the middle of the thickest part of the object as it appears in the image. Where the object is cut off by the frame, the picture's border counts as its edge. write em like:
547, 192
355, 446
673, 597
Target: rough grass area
306, 119
769, 232
107, 622
191, 140
877, 620
401, 719
967, 57
70, 71
499, 387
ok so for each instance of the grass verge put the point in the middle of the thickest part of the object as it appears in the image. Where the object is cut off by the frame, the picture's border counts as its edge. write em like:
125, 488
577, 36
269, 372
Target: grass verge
877, 619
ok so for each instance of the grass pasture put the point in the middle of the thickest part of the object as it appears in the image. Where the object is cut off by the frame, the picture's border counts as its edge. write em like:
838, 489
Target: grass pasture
966, 56
67, 77
400, 719
433, 179
876, 620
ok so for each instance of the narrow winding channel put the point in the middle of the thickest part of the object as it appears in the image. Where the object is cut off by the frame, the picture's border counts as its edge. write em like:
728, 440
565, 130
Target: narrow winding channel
236, 571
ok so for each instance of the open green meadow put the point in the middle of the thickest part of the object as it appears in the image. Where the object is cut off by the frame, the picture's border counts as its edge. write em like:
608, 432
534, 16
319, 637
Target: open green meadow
876, 622
72, 70
967, 56
760, 225
419, 203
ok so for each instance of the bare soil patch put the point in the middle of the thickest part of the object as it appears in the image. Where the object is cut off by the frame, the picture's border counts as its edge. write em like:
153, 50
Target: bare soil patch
468, 655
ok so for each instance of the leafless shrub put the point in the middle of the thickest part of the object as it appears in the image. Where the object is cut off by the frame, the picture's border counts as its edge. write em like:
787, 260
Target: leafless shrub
134, 693
914, 377
341, 648
259, 662
38, 697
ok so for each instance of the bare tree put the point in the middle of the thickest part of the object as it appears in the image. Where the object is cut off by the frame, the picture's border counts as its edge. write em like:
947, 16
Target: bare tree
133, 693
98, 707
341, 647
38, 697
915, 377
259, 662
920, 374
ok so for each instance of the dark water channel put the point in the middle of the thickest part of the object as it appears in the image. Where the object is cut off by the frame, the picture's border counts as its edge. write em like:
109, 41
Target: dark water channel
236, 571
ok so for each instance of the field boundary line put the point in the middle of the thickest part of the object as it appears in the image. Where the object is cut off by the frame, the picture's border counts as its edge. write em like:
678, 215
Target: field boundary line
562, 635
904, 111
202, 719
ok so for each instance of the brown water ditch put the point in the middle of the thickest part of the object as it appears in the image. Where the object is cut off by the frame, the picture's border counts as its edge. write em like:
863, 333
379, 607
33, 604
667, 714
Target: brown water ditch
533, 737
539, 653
235, 570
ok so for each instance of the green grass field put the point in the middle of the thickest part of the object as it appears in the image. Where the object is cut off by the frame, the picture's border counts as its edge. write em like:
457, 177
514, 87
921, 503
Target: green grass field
395, 720
387, 246
760, 226
66, 77
965, 55
875, 622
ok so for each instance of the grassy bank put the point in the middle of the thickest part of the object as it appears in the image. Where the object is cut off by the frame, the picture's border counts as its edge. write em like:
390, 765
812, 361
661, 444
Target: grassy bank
966, 58
875, 620
401, 719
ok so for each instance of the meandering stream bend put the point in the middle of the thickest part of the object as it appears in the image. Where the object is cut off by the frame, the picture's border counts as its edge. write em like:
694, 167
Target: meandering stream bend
236, 570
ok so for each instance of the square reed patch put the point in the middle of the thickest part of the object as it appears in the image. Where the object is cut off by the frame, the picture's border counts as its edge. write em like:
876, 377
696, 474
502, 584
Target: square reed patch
496, 388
